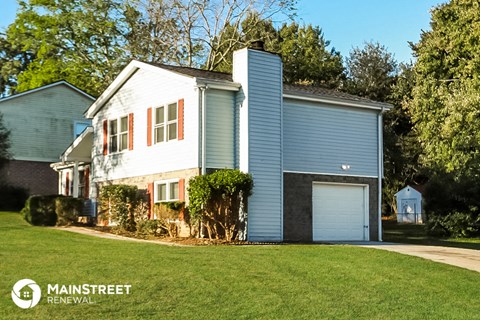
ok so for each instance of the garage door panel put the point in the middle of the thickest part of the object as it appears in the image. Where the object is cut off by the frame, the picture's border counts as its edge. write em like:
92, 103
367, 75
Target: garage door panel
339, 212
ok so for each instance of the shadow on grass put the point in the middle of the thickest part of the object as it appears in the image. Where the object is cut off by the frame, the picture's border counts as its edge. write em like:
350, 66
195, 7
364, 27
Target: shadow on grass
416, 234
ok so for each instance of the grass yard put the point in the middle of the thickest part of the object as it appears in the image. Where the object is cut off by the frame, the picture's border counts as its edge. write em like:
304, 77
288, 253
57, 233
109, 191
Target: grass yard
229, 282
415, 234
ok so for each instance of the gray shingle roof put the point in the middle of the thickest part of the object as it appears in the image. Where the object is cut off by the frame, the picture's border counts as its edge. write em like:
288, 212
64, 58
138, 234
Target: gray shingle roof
293, 89
196, 73
330, 93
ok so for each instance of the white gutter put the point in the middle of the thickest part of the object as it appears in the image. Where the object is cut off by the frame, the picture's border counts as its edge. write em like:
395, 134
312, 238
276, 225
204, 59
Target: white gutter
380, 172
345, 103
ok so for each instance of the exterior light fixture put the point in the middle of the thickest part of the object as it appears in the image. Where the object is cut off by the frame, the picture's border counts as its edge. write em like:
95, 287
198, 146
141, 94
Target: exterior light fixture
345, 167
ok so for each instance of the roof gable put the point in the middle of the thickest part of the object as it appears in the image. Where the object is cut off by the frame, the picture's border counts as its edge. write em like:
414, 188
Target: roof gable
289, 91
61, 82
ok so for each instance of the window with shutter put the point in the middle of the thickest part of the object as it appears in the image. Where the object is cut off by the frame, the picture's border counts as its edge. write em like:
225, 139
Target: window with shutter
119, 134
166, 123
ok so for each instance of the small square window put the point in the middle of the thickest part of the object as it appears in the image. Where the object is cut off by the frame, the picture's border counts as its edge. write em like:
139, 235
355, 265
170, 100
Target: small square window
167, 191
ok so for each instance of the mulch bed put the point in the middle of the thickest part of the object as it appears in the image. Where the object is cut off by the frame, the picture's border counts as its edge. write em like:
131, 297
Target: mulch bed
190, 241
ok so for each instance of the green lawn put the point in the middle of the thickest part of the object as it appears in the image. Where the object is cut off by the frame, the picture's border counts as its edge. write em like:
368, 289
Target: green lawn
415, 234
229, 282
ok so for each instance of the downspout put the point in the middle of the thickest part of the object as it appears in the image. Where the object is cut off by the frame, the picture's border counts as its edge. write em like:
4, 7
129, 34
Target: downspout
380, 172
204, 129
204, 143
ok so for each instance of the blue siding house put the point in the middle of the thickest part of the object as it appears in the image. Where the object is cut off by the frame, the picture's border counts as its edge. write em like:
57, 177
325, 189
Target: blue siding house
315, 154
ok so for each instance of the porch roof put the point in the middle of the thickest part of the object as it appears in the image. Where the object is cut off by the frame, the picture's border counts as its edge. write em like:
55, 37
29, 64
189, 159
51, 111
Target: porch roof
81, 148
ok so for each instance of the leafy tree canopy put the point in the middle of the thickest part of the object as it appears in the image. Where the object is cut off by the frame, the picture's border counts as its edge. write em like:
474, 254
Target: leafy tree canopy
303, 50
88, 42
371, 72
445, 105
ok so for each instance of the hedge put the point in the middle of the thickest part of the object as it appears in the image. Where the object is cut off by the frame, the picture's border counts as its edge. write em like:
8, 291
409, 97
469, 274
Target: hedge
52, 210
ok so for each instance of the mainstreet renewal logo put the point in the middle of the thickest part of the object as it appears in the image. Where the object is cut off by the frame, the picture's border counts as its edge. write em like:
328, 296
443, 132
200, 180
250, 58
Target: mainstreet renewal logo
26, 293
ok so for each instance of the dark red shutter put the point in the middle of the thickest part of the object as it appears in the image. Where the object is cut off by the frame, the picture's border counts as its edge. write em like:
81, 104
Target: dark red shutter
180, 120
181, 189
150, 191
130, 131
86, 173
105, 137
67, 184
149, 126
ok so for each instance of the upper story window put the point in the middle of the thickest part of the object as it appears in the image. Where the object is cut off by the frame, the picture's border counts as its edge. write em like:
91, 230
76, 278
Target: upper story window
118, 134
166, 122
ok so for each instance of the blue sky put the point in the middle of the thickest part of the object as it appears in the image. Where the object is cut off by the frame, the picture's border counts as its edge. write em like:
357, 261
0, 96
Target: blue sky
346, 23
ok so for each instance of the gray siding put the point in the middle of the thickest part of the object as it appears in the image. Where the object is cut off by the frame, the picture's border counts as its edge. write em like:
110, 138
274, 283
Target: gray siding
320, 138
42, 122
220, 129
263, 131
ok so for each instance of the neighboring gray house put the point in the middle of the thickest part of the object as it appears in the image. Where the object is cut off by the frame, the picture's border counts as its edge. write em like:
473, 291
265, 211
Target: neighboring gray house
315, 154
43, 122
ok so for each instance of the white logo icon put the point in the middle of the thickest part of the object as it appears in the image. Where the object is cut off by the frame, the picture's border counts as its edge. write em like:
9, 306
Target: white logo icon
26, 293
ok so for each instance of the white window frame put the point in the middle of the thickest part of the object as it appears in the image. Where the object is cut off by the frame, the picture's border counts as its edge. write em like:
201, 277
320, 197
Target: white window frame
118, 136
165, 124
168, 183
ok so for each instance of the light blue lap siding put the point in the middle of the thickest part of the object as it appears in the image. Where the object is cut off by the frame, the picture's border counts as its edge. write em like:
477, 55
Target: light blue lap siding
260, 143
319, 138
220, 129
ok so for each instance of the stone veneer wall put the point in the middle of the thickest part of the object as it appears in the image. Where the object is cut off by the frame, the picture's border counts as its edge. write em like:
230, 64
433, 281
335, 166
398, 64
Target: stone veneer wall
142, 184
297, 198
142, 181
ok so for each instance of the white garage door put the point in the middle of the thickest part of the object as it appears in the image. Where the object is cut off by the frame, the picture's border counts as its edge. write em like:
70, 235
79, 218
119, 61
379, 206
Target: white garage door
340, 212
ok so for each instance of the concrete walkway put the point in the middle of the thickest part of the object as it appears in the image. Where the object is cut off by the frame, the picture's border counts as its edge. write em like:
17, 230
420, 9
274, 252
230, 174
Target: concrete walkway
107, 235
463, 258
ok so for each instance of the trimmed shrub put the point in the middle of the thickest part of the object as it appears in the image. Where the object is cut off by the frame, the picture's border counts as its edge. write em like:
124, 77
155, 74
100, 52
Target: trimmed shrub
40, 210
118, 203
12, 198
150, 227
219, 200
68, 209
167, 214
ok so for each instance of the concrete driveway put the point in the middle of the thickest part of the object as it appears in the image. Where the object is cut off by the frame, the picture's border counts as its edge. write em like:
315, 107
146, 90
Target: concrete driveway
463, 258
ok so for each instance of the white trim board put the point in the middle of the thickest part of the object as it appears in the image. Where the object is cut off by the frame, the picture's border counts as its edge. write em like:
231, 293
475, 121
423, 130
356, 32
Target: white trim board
331, 174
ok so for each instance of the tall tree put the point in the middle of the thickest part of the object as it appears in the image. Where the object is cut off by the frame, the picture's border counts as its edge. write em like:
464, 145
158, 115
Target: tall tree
79, 41
87, 42
373, 72
306, 58
445, 105
198, 33
303, 50
401, 148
